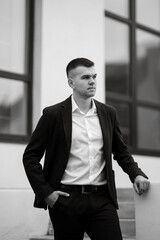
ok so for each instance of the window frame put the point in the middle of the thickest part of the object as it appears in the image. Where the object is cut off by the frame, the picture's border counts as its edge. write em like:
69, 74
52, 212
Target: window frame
24, 78
132, 98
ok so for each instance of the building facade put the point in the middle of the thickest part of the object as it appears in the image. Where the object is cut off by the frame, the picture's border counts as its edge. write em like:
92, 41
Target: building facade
38, 39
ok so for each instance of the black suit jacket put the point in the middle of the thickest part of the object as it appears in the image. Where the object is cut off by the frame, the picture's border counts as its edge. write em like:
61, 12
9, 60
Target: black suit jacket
52, 137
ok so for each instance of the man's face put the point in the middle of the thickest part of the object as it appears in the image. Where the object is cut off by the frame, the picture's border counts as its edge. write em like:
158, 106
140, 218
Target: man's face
83, 81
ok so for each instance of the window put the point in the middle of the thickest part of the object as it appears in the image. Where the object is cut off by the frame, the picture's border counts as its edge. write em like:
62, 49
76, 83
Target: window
16, 47
132, 72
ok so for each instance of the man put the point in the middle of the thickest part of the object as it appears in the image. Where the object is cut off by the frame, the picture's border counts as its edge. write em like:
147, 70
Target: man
78, 137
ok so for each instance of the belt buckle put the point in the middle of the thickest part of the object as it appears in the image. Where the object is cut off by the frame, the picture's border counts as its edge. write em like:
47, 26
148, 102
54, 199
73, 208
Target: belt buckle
84, 191
92, 190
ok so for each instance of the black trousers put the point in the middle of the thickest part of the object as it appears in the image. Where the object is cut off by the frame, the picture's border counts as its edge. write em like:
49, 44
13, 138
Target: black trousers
92, 213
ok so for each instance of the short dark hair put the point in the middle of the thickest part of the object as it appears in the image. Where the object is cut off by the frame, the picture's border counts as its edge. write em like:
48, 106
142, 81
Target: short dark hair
78, 62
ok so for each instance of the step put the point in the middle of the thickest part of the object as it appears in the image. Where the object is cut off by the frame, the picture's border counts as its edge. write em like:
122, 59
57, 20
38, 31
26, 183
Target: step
125, 194
51, 237
126, 210
41, 237
129, 238
128, 227
124, 238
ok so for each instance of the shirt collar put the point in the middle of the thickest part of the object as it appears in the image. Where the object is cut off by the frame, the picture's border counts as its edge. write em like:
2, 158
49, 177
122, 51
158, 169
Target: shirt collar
75, 106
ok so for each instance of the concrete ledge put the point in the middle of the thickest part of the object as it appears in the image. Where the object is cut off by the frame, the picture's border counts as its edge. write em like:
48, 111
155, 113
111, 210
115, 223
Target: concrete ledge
147, 209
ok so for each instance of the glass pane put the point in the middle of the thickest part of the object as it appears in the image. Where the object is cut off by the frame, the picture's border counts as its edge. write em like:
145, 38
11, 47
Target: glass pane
123, 111
148, 67
119, 7
13, 107
148, 129
116, 56
12, 37
148, 13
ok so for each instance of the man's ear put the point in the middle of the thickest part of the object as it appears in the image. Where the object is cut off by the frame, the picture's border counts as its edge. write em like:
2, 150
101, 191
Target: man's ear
71, 82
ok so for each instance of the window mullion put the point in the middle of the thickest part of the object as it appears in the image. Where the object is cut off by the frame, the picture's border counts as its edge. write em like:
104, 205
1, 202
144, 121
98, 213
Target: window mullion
133, 75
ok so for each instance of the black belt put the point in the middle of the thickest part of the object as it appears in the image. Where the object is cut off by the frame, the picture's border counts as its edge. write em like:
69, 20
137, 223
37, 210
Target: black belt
84, 189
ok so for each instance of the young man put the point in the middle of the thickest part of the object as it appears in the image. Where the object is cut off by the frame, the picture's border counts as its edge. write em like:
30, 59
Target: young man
78, 137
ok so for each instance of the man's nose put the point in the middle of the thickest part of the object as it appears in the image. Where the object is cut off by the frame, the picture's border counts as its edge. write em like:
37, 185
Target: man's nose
91, 80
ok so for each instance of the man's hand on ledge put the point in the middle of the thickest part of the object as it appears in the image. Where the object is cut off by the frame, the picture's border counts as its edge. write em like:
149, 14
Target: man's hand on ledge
141, 184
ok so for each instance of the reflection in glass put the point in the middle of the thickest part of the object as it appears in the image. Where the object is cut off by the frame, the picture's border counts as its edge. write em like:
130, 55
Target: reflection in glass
148, 135
13, 107
148, 67
148, 13
116, 56
119, 7
12, 37
123, 112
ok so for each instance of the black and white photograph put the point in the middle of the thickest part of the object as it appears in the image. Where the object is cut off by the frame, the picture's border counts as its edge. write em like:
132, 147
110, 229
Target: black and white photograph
79, 119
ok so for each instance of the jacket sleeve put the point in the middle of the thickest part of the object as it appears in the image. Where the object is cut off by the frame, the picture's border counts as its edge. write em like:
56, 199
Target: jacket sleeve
122, 155
32, 157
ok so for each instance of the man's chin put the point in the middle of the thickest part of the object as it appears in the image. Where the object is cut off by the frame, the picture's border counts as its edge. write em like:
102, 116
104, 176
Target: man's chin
91, 94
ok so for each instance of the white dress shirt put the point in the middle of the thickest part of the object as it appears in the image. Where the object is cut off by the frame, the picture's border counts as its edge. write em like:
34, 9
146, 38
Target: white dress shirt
86, 163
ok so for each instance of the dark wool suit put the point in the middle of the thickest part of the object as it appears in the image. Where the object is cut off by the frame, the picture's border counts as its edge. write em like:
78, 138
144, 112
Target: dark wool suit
52, 137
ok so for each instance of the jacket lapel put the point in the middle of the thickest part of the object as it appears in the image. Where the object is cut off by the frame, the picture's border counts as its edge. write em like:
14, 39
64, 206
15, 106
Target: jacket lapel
104, 122
67, 121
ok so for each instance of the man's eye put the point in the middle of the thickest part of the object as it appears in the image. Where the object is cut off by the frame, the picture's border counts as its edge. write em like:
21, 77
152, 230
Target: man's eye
86, 77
